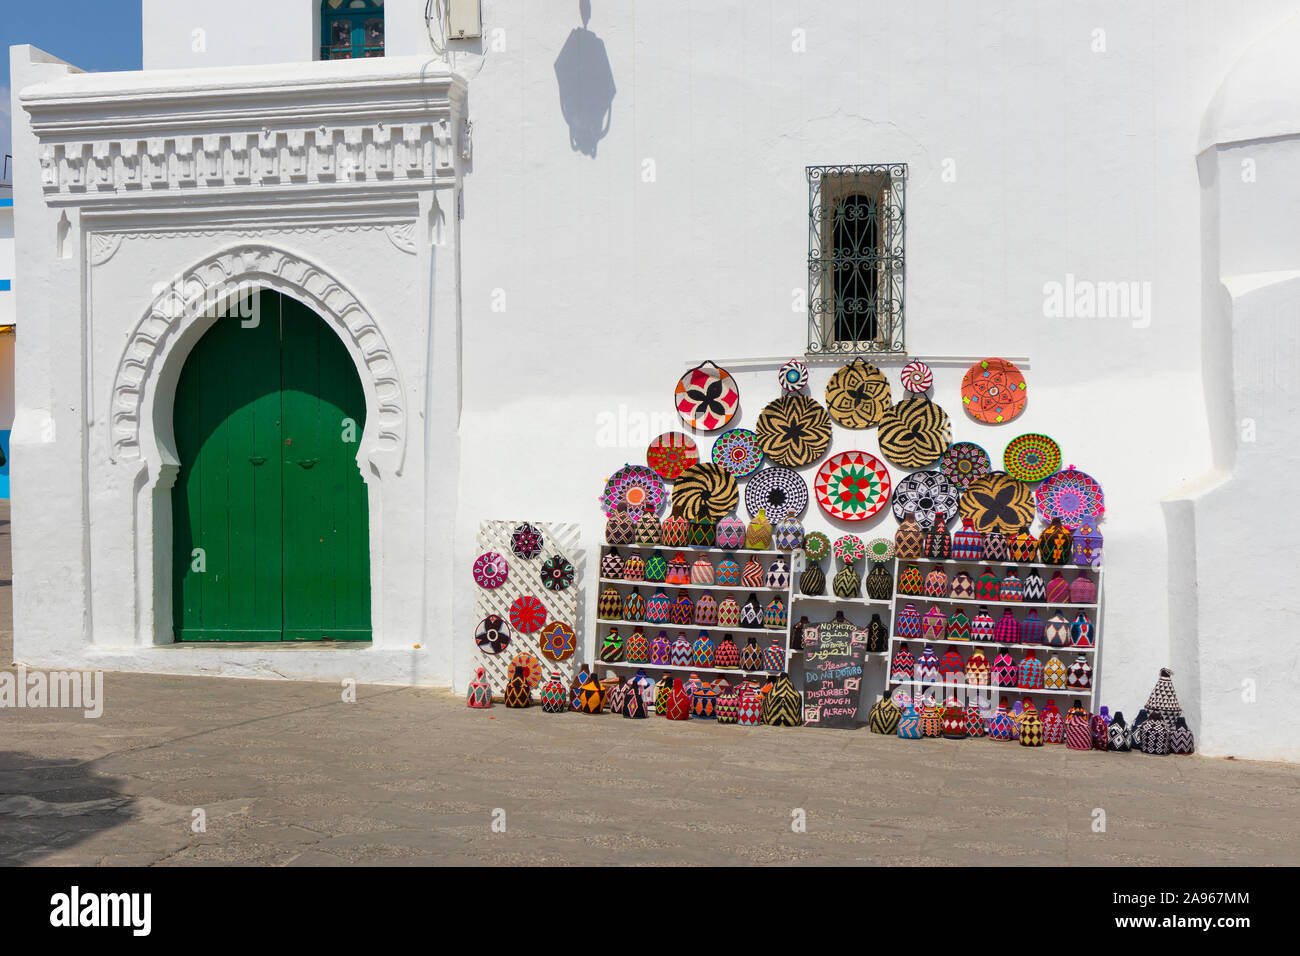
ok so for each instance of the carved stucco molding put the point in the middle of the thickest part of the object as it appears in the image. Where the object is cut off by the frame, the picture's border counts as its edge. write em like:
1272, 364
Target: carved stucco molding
185, 301
402, 235
103, 245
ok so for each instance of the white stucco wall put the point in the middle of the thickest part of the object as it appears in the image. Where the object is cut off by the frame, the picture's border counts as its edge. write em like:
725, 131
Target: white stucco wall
1044, 141
235, 33
1066, 161
245, 32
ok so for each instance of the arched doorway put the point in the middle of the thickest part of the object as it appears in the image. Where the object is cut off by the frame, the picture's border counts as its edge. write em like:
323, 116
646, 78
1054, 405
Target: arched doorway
271, 535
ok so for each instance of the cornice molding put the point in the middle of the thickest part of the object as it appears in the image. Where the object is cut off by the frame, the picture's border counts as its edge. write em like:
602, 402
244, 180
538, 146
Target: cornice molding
150, 136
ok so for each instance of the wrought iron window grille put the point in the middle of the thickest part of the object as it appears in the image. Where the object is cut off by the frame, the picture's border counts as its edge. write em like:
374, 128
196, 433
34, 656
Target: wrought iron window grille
855, 259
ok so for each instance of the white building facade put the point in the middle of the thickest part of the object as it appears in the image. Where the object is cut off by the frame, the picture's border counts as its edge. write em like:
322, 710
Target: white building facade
523, 239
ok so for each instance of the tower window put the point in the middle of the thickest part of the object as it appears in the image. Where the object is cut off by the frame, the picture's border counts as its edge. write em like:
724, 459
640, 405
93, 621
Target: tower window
351, 28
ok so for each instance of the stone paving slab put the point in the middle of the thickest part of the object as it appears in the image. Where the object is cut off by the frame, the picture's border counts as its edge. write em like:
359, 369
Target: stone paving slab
290, 774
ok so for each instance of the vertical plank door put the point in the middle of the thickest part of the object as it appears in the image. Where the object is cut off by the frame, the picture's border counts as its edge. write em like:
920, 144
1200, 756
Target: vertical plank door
226, 518
326, 513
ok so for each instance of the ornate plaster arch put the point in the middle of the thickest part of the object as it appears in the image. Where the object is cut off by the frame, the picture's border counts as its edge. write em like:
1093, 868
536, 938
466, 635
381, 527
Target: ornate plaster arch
182, 305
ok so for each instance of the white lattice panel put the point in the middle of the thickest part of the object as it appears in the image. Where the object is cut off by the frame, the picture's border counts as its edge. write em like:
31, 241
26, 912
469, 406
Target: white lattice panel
525, 578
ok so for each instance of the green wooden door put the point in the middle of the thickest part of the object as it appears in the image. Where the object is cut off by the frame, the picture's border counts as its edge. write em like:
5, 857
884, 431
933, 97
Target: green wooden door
326, 518
270, 517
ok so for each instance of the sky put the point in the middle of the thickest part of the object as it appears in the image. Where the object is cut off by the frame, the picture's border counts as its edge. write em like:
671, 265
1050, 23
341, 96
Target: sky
96, 35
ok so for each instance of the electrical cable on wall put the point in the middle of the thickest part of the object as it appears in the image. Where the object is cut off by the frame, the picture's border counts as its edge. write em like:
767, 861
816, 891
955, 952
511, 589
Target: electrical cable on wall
438, 8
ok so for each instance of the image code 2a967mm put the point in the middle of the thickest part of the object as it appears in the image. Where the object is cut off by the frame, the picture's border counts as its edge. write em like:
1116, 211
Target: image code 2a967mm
1148, 899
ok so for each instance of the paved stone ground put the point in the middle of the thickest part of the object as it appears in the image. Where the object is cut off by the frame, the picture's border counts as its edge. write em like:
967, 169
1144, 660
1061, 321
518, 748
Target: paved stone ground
288, 773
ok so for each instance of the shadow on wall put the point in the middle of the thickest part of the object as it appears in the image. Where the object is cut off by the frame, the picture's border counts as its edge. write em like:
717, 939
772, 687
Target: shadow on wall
586, 85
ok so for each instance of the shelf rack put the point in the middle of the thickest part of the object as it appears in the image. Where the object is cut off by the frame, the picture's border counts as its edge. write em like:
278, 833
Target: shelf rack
645, 550
1094, 611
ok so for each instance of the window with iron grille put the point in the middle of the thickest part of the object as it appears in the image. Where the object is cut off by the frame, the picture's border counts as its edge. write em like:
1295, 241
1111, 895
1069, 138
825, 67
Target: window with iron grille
351, 29
855, 258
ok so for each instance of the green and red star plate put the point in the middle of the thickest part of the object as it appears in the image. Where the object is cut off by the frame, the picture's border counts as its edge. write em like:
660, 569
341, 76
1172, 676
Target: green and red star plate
852, 485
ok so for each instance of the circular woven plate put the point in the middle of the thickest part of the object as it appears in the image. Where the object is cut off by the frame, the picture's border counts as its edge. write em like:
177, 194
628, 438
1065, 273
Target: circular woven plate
526, 542
1071, 495
527, 614
493, 635
852, 485
558, 641
915, 433
636, 488
531, 666
993, 391
705, 489
998, 503
963, 462
794, 430
780, 491
737, 451
557, 573
1031, 457
917, 377
880, 549
928, 496
816, 545
491, 570
849, 548
671, 454
707, 397
858, 395
793, 376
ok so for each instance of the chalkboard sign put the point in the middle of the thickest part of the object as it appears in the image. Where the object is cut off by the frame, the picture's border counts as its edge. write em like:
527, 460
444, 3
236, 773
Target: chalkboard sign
832, 674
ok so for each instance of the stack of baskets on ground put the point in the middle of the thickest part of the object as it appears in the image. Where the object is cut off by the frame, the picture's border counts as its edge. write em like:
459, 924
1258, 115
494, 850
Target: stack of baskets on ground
1159, 728
774, 701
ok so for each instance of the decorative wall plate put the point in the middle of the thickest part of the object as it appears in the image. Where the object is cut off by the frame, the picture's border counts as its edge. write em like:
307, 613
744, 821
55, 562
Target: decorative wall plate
999, 503
915, 433
705, 489
781, 491
707, 397
493, 635
858, 395
993, 391
558, 642
491, 570
963, 462
1031, 457
737, 451
793, 376
816, 545
880, 549
636, 488
1071, 495
926, 495
852, 485
671, 454
531, 667
794, 430
917, 377
526, 542
527, 614
557, 573
849, 548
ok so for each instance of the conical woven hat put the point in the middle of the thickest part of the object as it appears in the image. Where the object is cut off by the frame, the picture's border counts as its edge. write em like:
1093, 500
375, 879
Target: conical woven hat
1163, 699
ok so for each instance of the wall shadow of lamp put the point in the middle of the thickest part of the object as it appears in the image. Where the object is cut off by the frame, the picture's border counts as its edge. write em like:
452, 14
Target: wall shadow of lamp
586, 85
